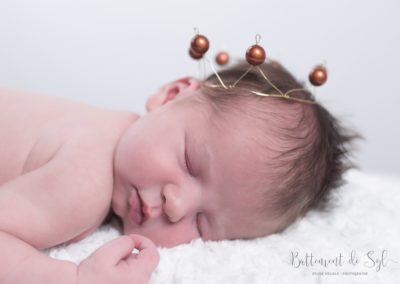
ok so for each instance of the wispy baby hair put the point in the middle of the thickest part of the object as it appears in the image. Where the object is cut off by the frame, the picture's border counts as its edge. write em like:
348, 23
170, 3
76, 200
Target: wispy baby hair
310, 148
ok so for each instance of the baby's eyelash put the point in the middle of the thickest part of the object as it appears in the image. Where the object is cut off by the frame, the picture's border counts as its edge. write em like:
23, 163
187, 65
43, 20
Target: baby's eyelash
198, 224
188, 163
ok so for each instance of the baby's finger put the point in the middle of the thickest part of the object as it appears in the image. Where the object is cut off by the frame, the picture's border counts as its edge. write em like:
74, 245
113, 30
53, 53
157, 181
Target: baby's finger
115, 250
148, 257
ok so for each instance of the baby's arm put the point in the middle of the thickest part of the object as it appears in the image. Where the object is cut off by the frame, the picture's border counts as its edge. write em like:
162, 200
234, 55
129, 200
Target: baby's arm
27, 225
112, 263
40, 209
22, 263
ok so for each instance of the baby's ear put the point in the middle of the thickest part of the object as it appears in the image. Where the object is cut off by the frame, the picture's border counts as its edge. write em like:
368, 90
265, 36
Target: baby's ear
169, 91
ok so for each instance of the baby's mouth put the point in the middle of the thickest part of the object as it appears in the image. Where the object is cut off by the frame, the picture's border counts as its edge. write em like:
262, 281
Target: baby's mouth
136, 210
141, 210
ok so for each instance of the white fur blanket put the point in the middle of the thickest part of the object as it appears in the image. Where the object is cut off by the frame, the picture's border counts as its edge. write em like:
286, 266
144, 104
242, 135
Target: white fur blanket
357, 241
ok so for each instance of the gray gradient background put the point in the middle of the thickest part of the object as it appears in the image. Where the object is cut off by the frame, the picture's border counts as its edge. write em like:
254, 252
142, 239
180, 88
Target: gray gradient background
116, 53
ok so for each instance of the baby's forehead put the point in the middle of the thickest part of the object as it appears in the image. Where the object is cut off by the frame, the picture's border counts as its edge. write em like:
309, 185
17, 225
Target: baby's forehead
237, 155
240, 166
249, 139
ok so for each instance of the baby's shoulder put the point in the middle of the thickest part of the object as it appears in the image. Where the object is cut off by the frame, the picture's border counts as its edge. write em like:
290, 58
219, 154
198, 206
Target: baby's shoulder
63, 199
65, 191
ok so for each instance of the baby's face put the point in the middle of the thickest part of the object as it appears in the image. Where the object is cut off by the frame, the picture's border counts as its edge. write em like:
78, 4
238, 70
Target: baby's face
194, 179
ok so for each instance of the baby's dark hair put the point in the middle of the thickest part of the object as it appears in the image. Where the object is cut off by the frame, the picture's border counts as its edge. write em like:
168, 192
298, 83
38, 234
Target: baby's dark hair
312, 151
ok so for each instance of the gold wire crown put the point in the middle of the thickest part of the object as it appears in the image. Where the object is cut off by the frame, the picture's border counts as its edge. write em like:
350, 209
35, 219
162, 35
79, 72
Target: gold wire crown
255, 56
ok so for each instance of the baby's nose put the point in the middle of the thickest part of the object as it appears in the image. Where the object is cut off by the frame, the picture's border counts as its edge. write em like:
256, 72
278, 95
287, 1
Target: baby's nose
175, 204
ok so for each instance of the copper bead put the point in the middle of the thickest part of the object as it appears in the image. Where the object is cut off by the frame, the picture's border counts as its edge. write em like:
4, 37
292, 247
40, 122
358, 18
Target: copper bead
222, 58
194, 54
255, 55
200, 44
318, 75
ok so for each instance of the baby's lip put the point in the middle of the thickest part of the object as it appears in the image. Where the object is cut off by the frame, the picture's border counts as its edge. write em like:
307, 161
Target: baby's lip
136, 211
143, 208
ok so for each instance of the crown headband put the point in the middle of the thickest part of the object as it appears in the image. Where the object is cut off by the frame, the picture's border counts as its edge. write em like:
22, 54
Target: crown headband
255, 56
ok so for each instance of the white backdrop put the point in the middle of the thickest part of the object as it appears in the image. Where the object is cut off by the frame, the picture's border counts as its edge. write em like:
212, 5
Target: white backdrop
115, 53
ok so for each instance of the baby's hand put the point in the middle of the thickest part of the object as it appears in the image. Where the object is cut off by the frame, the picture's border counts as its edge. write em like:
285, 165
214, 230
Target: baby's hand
115, 263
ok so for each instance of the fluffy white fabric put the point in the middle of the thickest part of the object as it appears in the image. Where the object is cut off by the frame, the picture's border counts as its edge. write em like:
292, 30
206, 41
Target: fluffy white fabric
364, 218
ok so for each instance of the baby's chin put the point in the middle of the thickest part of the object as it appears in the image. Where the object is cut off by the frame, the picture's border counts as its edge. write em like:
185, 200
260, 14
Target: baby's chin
126, 230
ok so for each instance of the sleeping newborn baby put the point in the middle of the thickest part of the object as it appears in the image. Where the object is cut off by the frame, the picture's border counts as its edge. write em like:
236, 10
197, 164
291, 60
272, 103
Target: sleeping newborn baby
204, 162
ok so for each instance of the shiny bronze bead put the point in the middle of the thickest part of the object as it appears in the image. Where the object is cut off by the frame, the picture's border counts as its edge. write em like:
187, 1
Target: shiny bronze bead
222, 58
255, 55
200, 44
194, 54
318, 75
